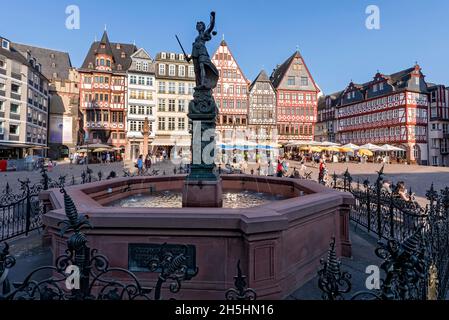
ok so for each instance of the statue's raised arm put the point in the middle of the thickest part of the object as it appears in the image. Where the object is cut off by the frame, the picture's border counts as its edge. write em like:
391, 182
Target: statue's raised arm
211, 27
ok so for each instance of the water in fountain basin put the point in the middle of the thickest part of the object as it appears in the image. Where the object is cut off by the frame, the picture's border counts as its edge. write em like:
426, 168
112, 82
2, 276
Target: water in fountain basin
173, 199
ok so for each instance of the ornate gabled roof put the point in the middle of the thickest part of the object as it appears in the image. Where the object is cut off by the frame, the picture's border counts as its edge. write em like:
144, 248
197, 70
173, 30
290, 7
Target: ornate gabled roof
280, 71
121, 53
261, 77
104, 47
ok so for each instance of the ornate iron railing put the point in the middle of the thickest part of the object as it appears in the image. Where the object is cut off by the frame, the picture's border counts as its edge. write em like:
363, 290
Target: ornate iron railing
399, 221
83, 273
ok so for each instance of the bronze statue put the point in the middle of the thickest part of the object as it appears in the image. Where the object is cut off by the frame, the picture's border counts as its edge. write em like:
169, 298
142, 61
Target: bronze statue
206, 74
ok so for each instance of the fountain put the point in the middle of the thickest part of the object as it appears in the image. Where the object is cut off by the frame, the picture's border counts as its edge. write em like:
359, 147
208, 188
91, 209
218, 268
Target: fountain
277, 228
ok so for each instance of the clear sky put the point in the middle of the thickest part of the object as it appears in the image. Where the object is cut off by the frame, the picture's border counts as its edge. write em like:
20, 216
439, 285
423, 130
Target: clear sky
331, 35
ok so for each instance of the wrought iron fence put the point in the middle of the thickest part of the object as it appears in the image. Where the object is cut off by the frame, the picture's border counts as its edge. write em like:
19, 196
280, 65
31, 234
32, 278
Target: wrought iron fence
379, 209
21, 212
82, 273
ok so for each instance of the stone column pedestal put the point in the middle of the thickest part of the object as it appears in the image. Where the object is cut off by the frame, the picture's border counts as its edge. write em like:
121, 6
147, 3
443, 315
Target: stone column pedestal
202, 194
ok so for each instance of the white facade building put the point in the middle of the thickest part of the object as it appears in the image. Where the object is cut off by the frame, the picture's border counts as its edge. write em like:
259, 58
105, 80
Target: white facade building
141, 103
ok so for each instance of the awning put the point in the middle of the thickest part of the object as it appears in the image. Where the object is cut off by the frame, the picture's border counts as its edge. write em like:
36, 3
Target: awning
170, 142
5, 145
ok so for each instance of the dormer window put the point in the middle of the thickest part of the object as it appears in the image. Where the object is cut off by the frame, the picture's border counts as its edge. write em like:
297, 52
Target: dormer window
163, 55
91, 65
172, 56
108, 63
53, 65
138, 66
417, 81
119, 67
102, 46
145, 66
123, 55
381, 86
181, 57
52, 55
375, 88
5, 44
118, 46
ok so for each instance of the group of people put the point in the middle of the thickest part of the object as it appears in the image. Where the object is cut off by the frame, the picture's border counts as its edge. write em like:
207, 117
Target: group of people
399, 191
143, 164
105, 157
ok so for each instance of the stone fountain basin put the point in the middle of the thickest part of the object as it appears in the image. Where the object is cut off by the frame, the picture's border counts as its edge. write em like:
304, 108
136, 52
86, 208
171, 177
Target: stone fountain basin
279, 243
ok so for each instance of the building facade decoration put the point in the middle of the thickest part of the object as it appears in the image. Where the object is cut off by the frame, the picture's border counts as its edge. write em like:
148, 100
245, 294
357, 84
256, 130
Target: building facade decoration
103, 92
141, 104
231, 96
65, 125
438, 125
389, 109
297, 99
175, 80
262, 111
24, 103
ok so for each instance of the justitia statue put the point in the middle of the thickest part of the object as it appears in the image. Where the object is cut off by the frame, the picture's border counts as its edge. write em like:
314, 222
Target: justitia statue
203, 186
206, 74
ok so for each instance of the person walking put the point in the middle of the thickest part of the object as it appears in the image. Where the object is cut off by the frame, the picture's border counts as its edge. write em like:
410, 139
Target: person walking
279, 169
108, 158
140, 165
148, 162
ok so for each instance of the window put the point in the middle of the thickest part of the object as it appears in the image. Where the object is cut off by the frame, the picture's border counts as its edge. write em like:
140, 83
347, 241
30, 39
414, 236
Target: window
133, 126
171, 105
15, 88
171, 87
14, 129
291, 81
171, 124
182, 71
149, 81
15, 108
108, 63
163, 55
161, 105
1, 105
304, 81
181, 105
172, 56
1, 128
161, 87
141, 80
417, 81
181, 124
132, 109
145, 66
434, 160
161, 124
138, 65
181, 88
381, 86
162, 69
2, 64
171, 70
133, 80
190, 88
191, 72
142, 110
5, 44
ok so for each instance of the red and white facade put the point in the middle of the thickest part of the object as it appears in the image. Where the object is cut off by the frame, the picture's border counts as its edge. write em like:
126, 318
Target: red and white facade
297, 100
231, 95
103, 92
390, 109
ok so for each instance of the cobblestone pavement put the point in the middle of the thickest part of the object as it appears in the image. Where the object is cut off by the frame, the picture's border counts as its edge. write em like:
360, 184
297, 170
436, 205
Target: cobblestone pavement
418, 177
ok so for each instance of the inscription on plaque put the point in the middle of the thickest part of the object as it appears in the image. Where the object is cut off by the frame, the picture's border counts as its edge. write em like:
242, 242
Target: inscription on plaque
140, 255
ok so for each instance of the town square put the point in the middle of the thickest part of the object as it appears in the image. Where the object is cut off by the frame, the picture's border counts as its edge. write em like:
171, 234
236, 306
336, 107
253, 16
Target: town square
212, 151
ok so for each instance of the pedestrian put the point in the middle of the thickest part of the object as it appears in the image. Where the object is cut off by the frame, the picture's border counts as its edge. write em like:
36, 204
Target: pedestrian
270, 169
279, 169
140, 165
71, 158
148, 162
108, 158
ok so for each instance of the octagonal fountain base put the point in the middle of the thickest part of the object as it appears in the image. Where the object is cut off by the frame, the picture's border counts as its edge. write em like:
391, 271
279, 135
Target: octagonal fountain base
279, 243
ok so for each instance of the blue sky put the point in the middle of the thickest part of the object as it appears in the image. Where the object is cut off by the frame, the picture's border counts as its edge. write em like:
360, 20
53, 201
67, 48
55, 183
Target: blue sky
331, 35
